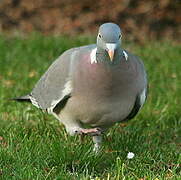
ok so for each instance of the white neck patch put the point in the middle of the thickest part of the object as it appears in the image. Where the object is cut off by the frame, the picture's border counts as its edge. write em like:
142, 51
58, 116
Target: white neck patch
93, 56
125, 55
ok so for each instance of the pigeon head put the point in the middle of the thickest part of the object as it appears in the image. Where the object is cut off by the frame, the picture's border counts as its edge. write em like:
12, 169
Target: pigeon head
109, 38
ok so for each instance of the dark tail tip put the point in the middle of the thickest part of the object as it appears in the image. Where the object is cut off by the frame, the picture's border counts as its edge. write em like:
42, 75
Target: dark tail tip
22, 99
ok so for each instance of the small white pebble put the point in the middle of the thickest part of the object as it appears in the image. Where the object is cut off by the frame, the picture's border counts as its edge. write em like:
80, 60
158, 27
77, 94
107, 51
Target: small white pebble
130, 155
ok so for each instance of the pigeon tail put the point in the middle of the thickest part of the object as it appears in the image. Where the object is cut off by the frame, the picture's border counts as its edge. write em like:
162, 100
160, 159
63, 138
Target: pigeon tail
25, 98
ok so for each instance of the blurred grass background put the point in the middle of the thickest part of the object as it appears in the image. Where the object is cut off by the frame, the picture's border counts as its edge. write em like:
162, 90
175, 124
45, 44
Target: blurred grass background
34, 145
139, 19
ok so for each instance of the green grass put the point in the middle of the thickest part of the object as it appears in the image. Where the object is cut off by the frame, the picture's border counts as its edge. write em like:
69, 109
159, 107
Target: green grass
34, 145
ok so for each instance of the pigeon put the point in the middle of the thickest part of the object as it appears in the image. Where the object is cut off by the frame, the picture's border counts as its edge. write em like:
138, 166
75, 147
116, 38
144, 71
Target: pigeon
91, 88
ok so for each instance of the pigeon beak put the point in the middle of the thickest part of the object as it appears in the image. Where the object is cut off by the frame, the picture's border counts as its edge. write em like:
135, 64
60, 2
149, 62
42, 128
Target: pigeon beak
110, 49
111, 54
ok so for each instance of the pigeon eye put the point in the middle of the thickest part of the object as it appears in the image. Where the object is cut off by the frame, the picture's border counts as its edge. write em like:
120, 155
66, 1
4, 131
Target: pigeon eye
100, 36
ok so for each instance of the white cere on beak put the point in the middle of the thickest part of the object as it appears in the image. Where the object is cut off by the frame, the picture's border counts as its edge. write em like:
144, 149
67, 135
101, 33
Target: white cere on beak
110, 49
111, 46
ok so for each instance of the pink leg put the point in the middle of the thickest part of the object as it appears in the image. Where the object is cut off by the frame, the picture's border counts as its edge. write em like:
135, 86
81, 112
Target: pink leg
92, 131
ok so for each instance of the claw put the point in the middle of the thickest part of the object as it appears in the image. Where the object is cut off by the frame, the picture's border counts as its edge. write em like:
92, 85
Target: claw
97, 143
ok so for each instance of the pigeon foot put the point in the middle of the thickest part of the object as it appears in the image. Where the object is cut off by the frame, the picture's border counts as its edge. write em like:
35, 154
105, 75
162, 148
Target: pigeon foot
91, 132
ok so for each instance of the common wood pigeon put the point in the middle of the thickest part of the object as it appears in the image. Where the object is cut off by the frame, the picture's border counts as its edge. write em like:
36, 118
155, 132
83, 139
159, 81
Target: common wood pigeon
90, 88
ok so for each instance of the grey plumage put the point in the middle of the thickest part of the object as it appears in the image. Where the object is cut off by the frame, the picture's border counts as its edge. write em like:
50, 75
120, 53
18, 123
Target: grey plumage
93, 86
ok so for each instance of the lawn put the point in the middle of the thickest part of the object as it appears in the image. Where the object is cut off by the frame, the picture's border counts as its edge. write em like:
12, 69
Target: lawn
34, 145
